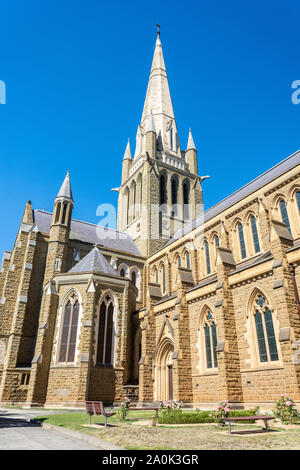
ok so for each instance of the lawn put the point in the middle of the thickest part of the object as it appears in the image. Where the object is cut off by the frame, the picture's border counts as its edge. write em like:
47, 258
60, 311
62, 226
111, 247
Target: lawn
129, 435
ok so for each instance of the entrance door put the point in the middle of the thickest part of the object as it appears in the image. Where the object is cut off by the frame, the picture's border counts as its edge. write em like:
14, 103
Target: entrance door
170, 377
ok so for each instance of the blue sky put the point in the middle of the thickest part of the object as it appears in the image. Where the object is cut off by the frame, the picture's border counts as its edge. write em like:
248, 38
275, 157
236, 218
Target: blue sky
76, 74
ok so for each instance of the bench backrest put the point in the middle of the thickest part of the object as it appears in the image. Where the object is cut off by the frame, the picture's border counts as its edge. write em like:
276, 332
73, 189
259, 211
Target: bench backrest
98, 407
89, 407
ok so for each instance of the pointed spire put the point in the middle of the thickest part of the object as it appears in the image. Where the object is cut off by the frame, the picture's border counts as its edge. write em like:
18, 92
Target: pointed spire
158, 99
127, 154
65, 190
150, 123
190, 144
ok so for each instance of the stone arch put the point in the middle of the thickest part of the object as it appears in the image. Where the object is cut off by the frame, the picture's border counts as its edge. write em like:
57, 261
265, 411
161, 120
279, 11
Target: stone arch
135, 276
251, 328
115, 327
137, 353
163, 374
124, 268
73, 292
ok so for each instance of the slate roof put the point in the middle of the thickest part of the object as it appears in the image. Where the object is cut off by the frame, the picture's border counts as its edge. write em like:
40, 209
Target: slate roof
90, 233
274, 172
94, 262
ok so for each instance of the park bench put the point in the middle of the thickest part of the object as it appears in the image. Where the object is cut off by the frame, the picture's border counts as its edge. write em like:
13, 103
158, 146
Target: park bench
239, 419
155, 417
97, 408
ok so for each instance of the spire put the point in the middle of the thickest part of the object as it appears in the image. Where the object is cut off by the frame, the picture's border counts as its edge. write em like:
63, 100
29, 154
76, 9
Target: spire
65, 190
190, 144
150, 123
127, 154
158, 101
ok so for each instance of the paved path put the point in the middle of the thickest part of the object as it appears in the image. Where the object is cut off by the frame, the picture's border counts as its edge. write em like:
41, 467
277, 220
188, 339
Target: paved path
18, 433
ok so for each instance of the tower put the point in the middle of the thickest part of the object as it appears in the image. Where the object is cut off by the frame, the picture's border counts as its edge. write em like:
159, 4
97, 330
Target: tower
57, 259
160, 188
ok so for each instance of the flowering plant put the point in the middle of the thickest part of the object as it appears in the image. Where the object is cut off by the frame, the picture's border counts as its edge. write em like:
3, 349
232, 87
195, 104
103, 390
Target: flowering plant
286, 411
171, 406
125, 405
222, 411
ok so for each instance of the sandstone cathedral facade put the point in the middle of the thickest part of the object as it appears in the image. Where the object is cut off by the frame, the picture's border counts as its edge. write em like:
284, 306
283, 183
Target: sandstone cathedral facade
177, 303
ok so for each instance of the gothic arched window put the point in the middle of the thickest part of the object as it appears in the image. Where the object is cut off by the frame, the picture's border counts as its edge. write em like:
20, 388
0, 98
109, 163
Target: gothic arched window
255, 234
207, 257
122, 272
284, 214
156, 275
210, 336
133, 277
187, 260
105, 332
163, 276
298, 199
178, 261
58, 207
265, 333
186, 199
174, 195
242, 240
69, 330
162, 190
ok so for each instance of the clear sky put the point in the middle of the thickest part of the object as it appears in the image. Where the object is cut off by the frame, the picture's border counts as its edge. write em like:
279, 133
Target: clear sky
76, 74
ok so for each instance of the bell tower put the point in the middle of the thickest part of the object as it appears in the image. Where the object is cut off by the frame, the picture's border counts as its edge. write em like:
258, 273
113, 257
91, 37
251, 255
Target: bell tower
160, 189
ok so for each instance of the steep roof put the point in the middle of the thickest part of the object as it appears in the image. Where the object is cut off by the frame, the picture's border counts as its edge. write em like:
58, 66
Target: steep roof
65, 190
270, 175
94, 262
90, 233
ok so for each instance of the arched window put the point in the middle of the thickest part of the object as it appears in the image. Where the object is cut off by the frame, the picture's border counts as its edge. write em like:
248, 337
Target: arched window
242, 240
162, 190
265, 333
179, 261
57, 212
133, 277
156, 275
298, 199
210, 336
186, 199
217, 241
69, 330
187, 260
174, 185
122, 272
284, 214
63, 219
163, 278
255, 234
207, 257
105, 332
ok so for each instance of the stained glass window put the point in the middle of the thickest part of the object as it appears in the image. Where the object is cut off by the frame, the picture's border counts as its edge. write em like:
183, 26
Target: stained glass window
207, 257
105, 332
69, 330
298, 199
210, 336
187, 260
242, 241
284, 214
255, 234
265, 333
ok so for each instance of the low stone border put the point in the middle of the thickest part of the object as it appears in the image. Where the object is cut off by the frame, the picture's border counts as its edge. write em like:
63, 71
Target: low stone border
91, 440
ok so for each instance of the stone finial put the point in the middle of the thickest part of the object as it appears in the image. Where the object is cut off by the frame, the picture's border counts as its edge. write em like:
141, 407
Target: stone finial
190, 145
127, 154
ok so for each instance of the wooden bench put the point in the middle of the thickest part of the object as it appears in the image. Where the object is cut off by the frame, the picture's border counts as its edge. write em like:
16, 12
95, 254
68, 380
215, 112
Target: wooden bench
155, 417
97, 408
239, 419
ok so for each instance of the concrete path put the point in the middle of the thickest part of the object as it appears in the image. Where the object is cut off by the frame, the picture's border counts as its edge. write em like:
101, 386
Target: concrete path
18, 433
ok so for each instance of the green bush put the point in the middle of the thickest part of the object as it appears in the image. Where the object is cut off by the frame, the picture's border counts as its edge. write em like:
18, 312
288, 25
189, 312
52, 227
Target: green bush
194, 417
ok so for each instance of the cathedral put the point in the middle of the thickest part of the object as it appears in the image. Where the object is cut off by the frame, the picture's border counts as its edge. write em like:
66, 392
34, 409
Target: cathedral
177, 303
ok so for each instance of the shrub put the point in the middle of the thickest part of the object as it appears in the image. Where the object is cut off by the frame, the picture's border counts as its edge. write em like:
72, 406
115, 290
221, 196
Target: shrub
286, 411
125, 405
222, 411
195, 417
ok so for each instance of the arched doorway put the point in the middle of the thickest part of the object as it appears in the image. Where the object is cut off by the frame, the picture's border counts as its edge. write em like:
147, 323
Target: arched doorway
164, 371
